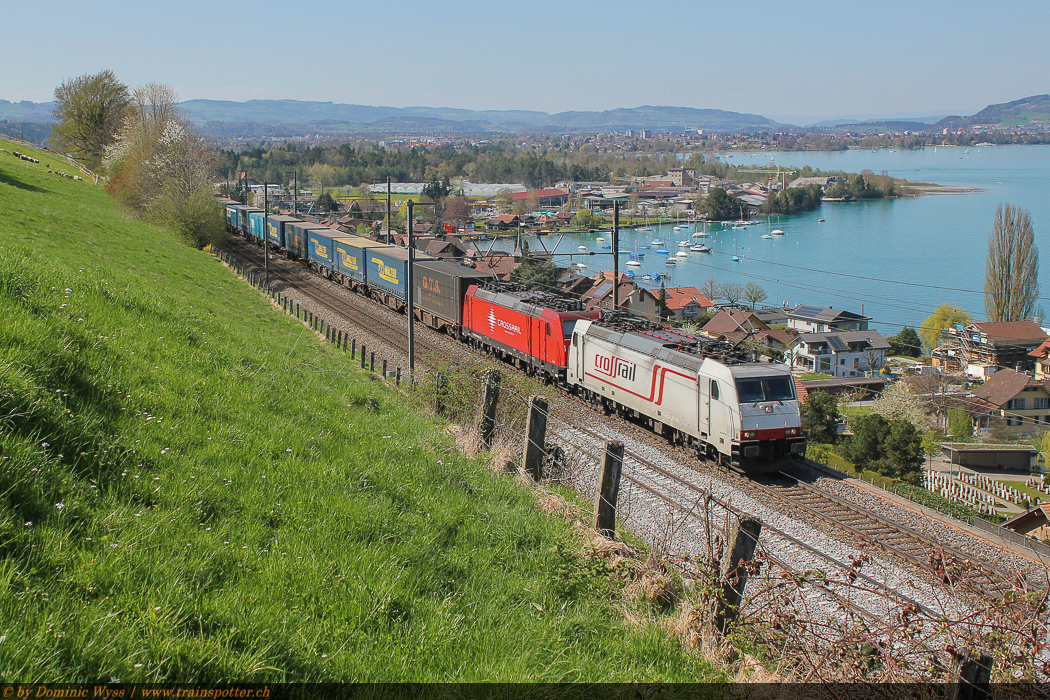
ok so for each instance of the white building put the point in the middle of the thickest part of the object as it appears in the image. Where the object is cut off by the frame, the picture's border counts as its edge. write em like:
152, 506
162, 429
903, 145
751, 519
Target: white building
839, 353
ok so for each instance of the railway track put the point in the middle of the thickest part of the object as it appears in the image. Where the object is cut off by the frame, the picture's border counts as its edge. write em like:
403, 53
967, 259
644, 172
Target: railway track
952, 567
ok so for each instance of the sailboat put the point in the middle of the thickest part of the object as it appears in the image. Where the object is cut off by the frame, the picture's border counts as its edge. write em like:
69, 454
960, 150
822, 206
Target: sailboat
735, 258
701, 248
647, 227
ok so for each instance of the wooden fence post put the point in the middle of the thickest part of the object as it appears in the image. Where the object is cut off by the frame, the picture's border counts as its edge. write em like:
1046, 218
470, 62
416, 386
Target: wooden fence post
397, 378
742, 541
372, 363
488, 408
535, 438
364, 350
609, 489
353, 348
439, 393
384, 370
973, 673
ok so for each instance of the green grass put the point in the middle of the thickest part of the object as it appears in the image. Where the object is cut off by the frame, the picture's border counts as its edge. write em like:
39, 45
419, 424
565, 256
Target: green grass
196, 488
807, 376
853, 413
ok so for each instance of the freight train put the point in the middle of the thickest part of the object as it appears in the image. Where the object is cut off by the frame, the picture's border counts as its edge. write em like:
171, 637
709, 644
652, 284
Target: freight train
699, 392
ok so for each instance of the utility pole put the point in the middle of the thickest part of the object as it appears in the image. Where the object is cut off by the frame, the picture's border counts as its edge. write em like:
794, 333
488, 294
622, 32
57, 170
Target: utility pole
389, 216
616, 254
409, 281
266, 234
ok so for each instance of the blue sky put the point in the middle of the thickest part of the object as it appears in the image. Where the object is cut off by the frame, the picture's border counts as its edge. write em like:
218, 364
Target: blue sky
796, 61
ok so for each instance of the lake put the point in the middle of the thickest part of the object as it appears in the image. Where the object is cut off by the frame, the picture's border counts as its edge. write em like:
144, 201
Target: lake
894, 260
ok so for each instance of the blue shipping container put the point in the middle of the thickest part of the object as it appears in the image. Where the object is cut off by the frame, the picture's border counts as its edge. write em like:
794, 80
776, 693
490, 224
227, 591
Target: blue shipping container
320, 246
242, 224
232, 215
350, 256
256, 224
387, 269
275, 229
295, 236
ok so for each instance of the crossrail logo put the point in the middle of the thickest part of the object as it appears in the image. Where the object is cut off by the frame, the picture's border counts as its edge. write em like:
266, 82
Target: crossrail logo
494, 322
615, 367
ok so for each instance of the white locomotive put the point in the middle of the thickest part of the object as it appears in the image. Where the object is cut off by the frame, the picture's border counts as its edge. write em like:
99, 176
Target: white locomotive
694, 391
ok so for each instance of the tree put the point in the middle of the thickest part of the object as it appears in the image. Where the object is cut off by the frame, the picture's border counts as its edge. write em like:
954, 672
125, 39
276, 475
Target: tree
1011, 273
732, 292
456, 212
754, 294
902, 452
504, 201
163, 170
539, 275
819, 414
891, 447
89, 111
326, 202
906, 343
719, 205
661, 297
944, 317
960, 425
711, 289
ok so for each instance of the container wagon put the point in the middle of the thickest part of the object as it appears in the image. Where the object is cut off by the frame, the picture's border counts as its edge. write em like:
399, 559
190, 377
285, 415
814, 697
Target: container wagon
386, 273
275, 226
296, 237
350, 263
257, 224
244, 213
438, 292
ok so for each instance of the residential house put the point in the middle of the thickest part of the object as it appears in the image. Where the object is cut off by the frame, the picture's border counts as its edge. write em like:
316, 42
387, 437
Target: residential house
983, 348
686, 303
503, 222
1041, 361
574, 284
1022, 401
816, 319
738, 325
839, 353
1035, 523
637, 300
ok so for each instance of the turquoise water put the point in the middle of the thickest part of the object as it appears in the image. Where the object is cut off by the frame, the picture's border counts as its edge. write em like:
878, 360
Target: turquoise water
916, 252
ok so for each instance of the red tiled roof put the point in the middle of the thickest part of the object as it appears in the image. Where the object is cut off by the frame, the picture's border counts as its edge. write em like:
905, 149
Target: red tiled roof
1041, 351
550, 192
680, 297
730, 320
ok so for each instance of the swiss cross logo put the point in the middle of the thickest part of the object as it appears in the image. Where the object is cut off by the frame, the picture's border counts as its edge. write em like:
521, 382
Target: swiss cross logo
508, 327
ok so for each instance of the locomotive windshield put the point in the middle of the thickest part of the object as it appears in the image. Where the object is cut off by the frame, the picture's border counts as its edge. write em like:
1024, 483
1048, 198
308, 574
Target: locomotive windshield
755, 389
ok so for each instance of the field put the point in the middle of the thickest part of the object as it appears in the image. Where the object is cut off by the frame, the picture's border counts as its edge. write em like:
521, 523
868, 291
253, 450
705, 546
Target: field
196, 488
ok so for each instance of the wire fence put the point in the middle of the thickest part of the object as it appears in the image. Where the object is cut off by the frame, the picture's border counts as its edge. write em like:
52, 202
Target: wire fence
805, 616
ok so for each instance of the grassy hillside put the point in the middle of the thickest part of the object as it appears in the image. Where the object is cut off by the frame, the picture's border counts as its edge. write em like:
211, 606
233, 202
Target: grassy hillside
195, 488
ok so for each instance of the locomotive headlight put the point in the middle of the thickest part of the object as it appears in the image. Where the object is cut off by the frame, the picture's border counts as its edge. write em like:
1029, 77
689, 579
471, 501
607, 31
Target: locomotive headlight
791, 431
749, 434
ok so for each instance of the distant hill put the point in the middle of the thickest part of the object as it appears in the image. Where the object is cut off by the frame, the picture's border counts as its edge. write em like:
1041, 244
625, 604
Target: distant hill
26, 111
445, 118
1013, 113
